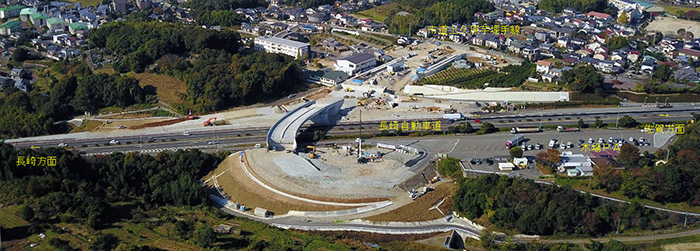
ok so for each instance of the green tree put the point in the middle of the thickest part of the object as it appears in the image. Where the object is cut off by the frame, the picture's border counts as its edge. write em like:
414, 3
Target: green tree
449, 167
20, 54
663, 73
183, 230
27, 213
584, 79
581, 124
629, 155
598, 123
516, 152
487, 127
623, 17
105, 242
205, 236
627, 121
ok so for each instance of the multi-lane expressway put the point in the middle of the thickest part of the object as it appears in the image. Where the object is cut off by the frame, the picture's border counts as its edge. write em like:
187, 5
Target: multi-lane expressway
247, 137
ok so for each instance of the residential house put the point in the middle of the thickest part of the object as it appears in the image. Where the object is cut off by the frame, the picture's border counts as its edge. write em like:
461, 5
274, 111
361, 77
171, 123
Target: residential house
119, 6
11, 11
543, 66
10, 27
55, 24
73, 28
333, 78
356, 63
690, 53
23, 85
25, 13
38, 19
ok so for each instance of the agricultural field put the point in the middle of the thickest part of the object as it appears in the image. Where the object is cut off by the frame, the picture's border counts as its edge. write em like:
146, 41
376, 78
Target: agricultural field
378, 13
469, 78
510, 76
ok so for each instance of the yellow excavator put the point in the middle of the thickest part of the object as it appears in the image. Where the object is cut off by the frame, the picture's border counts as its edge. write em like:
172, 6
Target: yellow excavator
312, 154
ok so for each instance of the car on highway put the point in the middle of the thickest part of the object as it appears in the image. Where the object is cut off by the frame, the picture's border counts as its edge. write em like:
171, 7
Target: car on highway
477, 121
257, 145
186, 133
114, 142
213, 142
62, 144
151, 139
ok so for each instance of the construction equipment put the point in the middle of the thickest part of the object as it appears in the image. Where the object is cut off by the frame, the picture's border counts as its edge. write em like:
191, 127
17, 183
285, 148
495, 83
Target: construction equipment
435, 179
362, 102
312, 154
190, 116
209, 121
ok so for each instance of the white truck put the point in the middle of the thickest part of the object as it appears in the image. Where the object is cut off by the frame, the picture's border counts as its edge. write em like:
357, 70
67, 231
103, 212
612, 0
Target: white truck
515, 130
454, 116
515, 141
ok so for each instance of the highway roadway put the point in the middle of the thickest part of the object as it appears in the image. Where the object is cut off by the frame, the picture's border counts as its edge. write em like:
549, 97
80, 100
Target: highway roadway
240, 138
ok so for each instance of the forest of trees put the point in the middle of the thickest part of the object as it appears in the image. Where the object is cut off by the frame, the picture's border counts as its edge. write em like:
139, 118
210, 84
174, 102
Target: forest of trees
584, 79
676, 181
218, 80
219, 76
435, 13
86, 190
531, 208
139, 44
579, 5
32, 114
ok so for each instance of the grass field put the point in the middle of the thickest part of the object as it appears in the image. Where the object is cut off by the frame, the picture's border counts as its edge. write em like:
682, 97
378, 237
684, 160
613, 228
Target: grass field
418, 209
9, 217
87, 126
168, 88
85, 2
377, 13
673, 10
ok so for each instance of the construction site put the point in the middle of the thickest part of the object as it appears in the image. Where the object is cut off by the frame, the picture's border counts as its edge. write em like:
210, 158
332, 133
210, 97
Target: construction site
377, 179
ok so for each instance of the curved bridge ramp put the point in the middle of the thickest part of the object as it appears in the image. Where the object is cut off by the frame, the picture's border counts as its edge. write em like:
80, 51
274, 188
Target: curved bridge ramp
282, 135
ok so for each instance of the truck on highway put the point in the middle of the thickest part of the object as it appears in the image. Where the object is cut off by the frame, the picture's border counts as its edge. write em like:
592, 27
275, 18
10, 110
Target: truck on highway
515, 141
454, 116
567, 129
515, 130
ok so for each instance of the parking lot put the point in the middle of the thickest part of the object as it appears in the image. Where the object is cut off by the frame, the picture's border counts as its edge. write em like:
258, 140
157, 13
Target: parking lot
493, 145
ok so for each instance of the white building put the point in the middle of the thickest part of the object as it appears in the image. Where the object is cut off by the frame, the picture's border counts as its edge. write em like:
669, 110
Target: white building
281, 45
576, 164
356, 63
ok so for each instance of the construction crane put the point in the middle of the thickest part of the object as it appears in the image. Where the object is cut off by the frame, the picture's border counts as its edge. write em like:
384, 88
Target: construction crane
313, 152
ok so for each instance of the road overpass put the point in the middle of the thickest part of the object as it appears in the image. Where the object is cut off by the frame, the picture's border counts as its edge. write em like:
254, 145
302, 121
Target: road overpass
282, 135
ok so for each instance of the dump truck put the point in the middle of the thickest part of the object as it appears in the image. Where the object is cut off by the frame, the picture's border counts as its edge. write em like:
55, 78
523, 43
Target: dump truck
515, 130
567, 129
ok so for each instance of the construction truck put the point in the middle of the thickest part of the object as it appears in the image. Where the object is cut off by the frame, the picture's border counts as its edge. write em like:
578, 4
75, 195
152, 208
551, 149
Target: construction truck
312, 154
434, 179
190, 116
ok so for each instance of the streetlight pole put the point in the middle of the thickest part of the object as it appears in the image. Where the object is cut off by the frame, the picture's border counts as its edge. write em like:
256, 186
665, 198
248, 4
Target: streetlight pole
645, 100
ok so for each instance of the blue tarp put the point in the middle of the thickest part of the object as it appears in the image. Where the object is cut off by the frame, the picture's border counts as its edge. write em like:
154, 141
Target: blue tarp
357, 81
